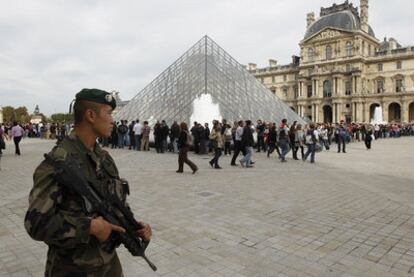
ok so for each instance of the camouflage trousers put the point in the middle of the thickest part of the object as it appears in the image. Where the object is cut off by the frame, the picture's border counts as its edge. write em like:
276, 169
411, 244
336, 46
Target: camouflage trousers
112, 269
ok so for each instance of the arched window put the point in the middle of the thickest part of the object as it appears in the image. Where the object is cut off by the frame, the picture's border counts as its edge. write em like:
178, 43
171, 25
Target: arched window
327, 89
328, 52
349, 49
380, 85
311, 54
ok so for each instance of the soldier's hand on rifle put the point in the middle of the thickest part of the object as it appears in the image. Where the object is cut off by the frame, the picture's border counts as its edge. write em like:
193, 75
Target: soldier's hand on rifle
145, 233
102, 229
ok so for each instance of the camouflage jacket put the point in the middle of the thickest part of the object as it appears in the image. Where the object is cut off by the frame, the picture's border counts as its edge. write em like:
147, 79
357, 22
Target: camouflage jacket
59, 218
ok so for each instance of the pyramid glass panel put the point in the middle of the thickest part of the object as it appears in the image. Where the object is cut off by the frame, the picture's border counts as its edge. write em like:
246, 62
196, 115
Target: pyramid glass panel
206, 70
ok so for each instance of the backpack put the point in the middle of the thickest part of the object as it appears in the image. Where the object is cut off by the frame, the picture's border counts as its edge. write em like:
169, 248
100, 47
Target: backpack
310, 137
227, 134
189, 141
123, 129
282, 134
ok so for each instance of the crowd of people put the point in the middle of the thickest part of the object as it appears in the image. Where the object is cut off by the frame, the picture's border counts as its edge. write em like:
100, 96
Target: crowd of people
244, 137
240, 137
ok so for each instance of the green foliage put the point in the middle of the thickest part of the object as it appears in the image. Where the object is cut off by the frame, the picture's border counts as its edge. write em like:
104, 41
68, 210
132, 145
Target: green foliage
19, 114
62, 117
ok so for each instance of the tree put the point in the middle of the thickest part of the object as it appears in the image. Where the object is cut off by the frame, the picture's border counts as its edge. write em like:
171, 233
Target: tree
62, 117
21, 115
8, 114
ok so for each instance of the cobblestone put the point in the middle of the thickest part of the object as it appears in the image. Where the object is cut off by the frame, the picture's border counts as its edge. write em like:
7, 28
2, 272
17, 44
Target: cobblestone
347, 215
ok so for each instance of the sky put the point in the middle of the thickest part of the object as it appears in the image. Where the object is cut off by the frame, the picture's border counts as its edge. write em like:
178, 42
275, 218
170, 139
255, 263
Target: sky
51, 49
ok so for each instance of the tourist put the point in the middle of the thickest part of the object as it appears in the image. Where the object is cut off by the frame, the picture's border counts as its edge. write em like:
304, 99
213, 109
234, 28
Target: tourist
292, 144
174, 135
237, 142
122, 134
260, 128
311, 139
184, 143
216, 143
228, 137
196, 136
205, 138
368, 137
146, 130
299, 143
323, 136
158, 137
341, 137
283, 140
17, 134
137, 135
131, 135
114, 135
165, 131
272, 141
247, 143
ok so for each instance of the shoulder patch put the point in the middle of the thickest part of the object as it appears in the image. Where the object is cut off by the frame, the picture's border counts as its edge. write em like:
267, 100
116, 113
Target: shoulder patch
59, 154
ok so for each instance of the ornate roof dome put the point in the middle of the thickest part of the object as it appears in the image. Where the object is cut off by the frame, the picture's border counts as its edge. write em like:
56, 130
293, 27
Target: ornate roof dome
344, 17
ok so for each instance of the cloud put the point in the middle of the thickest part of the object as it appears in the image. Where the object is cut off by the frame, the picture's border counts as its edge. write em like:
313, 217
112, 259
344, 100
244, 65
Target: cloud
53, 48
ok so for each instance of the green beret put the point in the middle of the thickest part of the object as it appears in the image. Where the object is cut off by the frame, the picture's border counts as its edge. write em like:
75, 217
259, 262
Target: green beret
97, 96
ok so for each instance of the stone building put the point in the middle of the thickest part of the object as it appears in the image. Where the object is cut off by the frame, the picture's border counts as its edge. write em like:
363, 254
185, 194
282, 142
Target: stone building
344, 72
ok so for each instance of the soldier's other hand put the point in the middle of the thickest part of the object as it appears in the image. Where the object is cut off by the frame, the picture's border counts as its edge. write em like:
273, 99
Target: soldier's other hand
145, 232
102, 229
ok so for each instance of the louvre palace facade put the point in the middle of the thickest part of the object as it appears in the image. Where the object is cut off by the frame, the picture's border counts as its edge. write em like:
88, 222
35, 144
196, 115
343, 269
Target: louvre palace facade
344, 72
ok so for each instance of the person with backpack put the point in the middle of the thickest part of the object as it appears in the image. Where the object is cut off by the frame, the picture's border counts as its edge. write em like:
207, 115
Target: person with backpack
284, 140
122, 133
185, 141
311, 139
247, 143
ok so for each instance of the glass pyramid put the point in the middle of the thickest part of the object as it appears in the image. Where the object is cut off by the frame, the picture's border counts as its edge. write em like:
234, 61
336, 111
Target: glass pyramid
206, 69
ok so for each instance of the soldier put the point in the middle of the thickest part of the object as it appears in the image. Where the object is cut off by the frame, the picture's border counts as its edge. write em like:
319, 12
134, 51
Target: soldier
75, 237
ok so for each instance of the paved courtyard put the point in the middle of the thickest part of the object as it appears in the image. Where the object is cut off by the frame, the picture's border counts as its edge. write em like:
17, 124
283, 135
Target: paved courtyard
347, 215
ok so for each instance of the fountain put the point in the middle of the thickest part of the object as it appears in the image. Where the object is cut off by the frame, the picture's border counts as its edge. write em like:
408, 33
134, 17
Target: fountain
378, 117
204, 110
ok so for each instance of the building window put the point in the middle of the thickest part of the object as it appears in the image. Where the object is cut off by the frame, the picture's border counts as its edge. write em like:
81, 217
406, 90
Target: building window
328, 52
348, 68
348, 87
311, 54
399, 65
296, 89
369, 50
273, 90
309, 91
327, 89
399, 85
380, 67
262, 80
285, 92
380, 86
349, 49
273, 79
347, 106
284, 78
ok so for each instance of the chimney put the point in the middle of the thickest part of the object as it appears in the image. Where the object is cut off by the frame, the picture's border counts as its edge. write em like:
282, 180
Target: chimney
364, 16
272, 63
252, 66
310, 18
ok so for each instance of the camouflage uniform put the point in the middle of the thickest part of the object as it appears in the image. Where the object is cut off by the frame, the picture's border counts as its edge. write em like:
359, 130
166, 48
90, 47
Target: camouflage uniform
60, 218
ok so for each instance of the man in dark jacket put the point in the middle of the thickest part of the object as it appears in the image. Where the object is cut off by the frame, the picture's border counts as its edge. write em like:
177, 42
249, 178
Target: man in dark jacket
247, 142
174, 135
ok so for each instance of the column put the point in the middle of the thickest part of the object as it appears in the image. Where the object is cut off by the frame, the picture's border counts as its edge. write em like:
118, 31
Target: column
405, 111
300, 89
334, 112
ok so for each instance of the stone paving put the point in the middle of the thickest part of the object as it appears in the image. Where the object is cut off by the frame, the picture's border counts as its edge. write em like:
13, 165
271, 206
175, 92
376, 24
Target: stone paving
347, 215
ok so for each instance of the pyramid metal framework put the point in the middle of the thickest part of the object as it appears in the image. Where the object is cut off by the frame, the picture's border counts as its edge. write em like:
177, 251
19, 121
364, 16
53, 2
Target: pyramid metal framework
206, 69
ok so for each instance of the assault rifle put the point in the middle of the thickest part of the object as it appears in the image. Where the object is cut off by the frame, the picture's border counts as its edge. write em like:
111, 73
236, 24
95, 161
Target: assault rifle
68, 173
